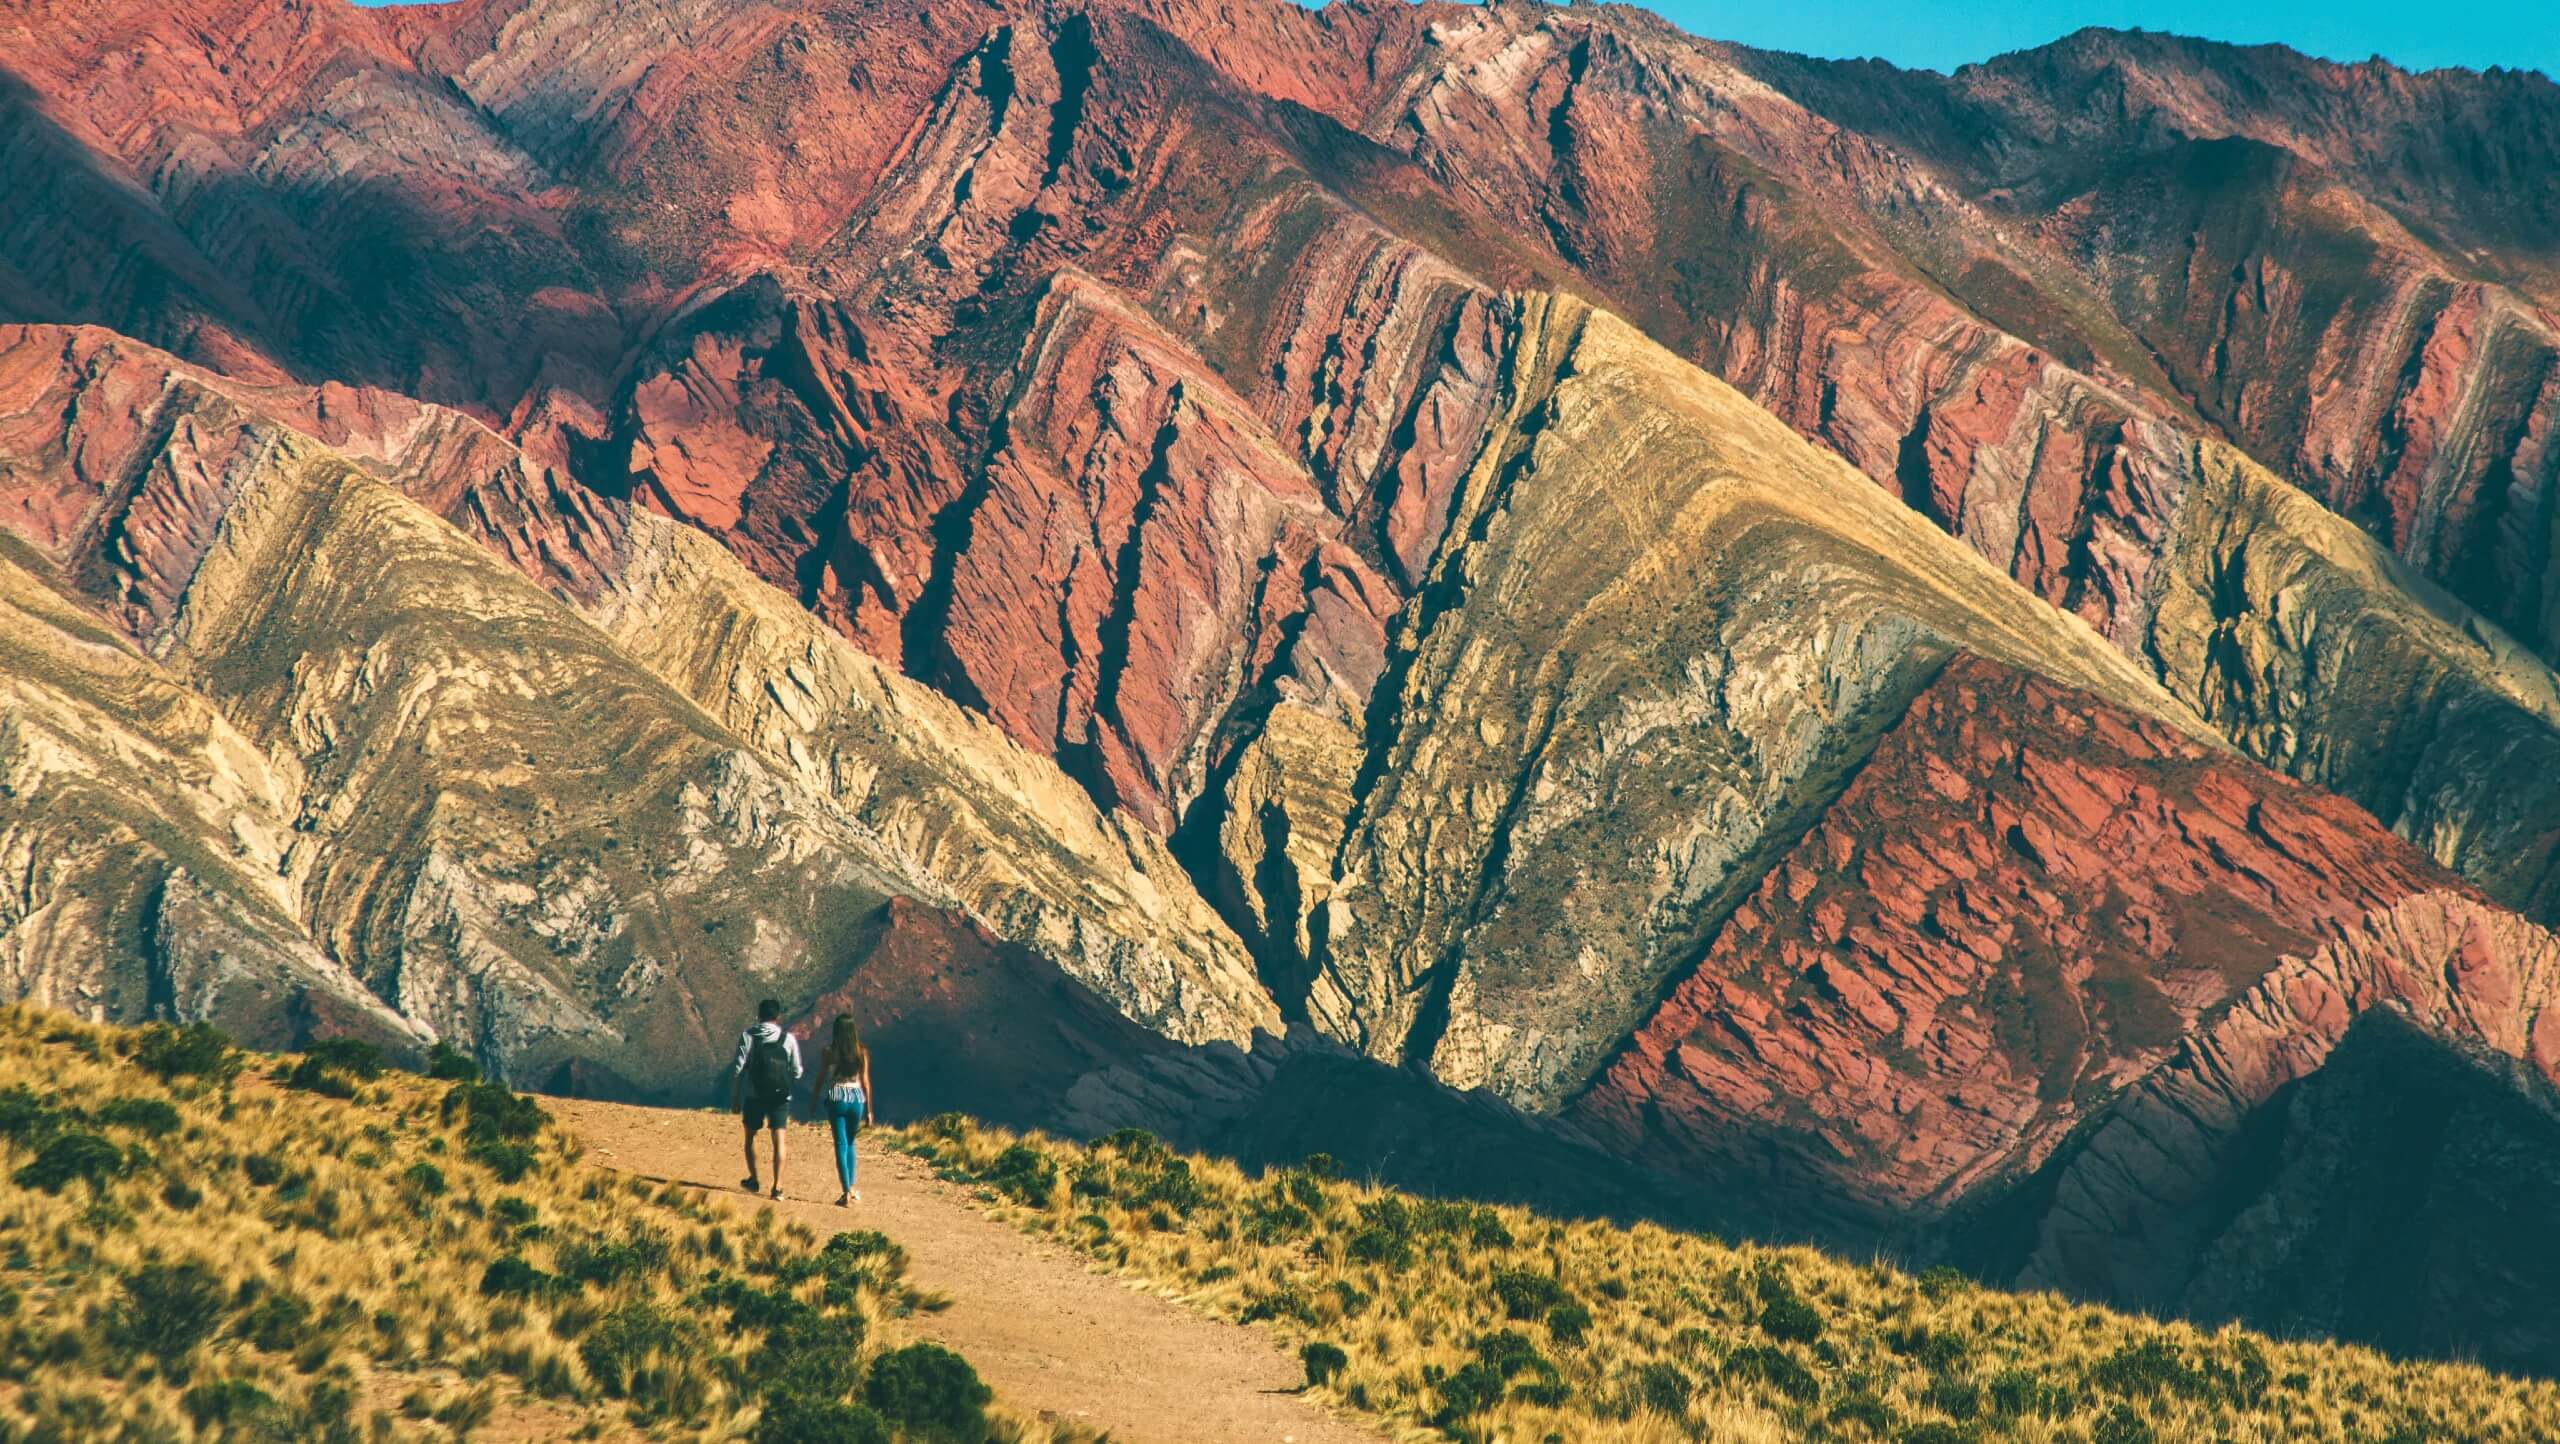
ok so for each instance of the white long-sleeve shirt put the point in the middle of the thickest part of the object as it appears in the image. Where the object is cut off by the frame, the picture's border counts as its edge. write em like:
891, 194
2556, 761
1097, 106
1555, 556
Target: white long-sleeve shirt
767, 1031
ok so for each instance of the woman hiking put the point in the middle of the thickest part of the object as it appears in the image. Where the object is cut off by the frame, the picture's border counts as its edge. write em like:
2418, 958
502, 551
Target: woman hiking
843, 1090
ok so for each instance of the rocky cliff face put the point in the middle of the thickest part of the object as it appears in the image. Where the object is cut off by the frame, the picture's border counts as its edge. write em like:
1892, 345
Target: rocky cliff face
2383, 1199
1754, 604
505, 818
2023, 904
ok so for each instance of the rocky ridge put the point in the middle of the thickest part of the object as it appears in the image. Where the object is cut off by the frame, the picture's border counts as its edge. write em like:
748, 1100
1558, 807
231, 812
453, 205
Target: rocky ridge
358, 686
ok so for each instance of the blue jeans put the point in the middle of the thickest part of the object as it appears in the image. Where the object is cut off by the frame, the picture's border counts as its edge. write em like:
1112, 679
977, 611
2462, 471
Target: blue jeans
842, 1115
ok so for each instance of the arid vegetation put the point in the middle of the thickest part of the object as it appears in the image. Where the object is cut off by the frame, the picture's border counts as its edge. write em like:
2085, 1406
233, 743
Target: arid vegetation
197, 1243
1457, 1320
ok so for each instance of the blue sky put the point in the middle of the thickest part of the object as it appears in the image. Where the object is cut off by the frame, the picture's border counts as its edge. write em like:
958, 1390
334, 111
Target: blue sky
1943, 34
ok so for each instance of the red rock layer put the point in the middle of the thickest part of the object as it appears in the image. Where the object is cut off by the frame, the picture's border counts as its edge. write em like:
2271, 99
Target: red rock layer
773, 269
2024, 902
2146, 1184
122, 461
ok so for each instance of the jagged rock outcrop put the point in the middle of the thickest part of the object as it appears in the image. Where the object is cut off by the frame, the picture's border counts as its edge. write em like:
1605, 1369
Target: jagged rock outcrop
2395, 1198
134, 484
2318, 652
974, 819
143, 840
2024, 902
2396, 1085
1659, 635
504, 829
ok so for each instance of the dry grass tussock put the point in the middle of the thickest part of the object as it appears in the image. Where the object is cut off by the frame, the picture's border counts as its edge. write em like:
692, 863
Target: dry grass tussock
1456, 1320
330, 1250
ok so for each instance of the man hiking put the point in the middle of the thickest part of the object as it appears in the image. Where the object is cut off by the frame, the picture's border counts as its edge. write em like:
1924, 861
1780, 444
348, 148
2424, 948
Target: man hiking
761, 1082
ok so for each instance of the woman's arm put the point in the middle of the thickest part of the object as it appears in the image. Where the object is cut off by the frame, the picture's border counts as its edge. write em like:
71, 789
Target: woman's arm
818, 1088
870, 1100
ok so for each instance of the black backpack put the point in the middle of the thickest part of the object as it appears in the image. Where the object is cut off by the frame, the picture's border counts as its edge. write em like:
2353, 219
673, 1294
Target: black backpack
769, 1069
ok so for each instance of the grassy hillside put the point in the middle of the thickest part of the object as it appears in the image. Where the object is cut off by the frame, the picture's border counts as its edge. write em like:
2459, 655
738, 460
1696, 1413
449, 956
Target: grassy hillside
324, 1250
1457, 1320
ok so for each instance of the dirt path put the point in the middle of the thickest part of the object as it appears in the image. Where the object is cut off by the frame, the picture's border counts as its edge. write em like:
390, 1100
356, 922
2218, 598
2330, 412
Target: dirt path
1048, 1334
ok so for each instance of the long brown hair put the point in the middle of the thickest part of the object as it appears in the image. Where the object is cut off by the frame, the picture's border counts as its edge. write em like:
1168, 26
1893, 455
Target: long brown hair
844, 1045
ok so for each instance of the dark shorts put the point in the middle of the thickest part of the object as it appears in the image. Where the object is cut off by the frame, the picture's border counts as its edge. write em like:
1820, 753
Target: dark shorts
765, 1112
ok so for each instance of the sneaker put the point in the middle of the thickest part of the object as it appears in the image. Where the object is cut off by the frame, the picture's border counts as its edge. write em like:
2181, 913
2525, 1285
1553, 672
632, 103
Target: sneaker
843, 1198
750, 1184
856, 1195
777, 1193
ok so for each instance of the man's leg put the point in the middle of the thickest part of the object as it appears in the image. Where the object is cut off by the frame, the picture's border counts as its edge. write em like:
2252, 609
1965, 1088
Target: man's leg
777, 1155
750, 1179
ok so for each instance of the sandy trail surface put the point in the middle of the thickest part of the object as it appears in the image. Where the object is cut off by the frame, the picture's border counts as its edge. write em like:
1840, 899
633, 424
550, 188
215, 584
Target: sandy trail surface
1049, 1334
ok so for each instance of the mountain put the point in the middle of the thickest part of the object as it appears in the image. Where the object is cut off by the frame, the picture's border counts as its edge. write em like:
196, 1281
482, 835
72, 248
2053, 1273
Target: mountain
1792, 630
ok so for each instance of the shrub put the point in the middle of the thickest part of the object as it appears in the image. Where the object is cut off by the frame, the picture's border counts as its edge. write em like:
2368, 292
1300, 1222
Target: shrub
1277, 1221
798, 1419
424, 1177
152, 1117
228, 1402
507, 1162
168, 1309
1784, 1313
847, 1259
1663, 1388
2120, 1425
1467, 1392
1776, 1368
1954, 1398
810, 1356
1508, 1352
1545, 1393
354, 1057
1323, 1361
1526, 1294
1937, 1431
1283, 1304
606, 1261
492, 1112
1942, 1281
750, 1307
277, 1323
1386, 1233
1304, 1189
927, 1390
512, 1211
199, 1050
1174, 1186
2015, 1392
313, 1076
1937, 1351
509, 1275
2153, 1366
444, 1063
1864, 1410
623, 1342
1567, 1323
1026, 1173
66, 1157
1137, 1145
26, 1118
